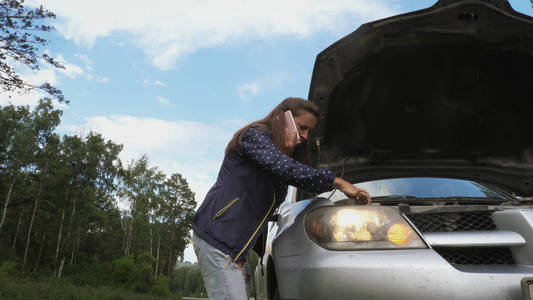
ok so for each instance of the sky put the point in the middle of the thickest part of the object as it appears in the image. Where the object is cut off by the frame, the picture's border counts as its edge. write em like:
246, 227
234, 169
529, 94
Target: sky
174, 79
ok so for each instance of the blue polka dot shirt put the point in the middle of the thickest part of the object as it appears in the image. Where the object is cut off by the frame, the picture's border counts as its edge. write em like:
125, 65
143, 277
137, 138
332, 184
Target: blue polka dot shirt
258, 146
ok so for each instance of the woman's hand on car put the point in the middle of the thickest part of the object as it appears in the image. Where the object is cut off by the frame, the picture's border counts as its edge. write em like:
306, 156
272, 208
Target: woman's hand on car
360, 196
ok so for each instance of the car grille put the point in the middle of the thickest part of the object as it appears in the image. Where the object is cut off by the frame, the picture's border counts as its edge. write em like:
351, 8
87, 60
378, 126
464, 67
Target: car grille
453, 221
463, 221
477, 256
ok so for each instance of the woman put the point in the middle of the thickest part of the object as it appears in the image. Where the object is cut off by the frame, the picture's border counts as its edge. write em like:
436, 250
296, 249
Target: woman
261, 159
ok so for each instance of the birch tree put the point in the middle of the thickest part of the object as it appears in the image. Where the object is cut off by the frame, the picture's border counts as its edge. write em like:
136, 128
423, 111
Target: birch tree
45, 120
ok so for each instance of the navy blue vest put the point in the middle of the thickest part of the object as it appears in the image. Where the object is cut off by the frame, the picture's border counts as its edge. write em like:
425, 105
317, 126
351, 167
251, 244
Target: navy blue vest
251, 184
236, 209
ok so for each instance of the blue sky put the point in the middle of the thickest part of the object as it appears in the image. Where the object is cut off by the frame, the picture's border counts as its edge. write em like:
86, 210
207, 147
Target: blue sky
174, 79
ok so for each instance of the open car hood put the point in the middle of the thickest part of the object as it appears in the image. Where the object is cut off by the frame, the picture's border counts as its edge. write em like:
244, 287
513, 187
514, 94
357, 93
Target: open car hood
445, 91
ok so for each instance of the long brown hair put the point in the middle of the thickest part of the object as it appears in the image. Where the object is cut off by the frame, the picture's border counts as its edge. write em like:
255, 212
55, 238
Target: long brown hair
274, 123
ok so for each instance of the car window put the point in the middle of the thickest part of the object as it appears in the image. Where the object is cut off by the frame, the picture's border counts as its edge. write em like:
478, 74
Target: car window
424, 188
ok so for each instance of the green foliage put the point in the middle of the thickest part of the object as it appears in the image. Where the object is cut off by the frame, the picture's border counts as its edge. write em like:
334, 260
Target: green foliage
146, 258
160, 287
9, 268
177, 281
59, 207
187, 281
187, 278
12, 288
123, 272
92, 275
144, 272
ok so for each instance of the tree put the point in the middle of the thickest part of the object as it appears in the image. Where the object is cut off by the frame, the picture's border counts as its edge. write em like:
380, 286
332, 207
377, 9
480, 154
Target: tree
14, 136
59, 209
46, 119
187, 281
29, 132
179, 212
20, 43
141, 187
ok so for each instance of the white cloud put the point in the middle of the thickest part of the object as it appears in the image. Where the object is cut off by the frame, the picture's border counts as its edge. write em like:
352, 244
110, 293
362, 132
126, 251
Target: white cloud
177, 27
49, 73
76, 70
84, 58
121, 44
146, 82
70, 70
73, 71
248, 90
102, 79
41, 76
148, 134
162, 100
161, 139
273, 81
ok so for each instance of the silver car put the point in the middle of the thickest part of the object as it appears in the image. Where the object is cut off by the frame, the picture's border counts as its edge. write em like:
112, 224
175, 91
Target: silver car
431, 112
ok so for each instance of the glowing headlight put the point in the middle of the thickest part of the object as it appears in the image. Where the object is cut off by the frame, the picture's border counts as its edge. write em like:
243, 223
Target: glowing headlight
360, 227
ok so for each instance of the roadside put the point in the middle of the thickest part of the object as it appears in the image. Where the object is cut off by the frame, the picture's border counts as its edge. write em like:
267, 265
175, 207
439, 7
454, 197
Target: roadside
190, 298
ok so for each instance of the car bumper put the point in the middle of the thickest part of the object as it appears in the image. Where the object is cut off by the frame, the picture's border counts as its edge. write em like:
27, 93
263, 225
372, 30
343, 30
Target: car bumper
393, 274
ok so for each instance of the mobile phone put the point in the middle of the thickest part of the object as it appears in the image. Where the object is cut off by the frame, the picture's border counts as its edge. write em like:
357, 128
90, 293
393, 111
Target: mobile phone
289, 121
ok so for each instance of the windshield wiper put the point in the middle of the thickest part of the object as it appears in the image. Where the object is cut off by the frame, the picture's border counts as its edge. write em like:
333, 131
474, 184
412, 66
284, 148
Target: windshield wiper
473, 200
524, 199
394, 197
439, 200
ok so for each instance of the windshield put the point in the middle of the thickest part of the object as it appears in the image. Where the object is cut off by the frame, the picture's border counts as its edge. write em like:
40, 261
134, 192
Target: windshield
424, 188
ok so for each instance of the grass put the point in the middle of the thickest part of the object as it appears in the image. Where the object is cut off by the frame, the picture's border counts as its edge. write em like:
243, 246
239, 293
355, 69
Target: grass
13, 288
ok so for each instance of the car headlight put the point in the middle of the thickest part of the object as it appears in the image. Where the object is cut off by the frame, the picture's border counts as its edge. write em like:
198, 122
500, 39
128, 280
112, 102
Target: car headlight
360, 228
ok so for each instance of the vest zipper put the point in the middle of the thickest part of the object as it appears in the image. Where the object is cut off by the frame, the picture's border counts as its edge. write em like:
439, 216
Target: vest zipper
256, 230
220, 212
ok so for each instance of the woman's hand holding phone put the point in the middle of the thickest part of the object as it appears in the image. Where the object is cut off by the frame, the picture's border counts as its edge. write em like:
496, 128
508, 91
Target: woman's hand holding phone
291, 132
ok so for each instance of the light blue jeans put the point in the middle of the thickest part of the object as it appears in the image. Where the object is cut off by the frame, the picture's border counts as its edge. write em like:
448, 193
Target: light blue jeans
223, 279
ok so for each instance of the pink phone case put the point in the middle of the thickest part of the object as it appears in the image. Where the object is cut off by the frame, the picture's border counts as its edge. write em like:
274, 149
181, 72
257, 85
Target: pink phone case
290, 123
